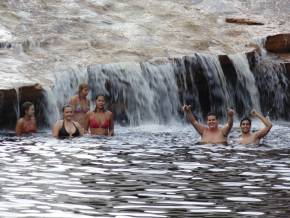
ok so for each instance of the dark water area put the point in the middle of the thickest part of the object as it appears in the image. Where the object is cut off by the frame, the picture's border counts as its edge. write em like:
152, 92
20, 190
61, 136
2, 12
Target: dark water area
147, 171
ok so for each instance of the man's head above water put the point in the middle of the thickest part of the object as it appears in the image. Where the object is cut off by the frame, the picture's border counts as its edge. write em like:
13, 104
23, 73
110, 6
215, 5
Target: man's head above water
212, 120
245, 125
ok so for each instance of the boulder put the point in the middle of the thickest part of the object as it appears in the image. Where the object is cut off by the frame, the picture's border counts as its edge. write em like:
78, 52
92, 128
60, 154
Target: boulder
278, 43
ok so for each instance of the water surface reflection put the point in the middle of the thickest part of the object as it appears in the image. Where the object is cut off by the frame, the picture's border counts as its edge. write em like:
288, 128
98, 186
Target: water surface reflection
150, 171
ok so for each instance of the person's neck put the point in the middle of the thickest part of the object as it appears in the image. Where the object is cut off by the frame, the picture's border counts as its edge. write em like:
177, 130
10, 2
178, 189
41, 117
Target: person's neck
81, 97
245, 135
27, 117
68, 121
213, 129
99, 110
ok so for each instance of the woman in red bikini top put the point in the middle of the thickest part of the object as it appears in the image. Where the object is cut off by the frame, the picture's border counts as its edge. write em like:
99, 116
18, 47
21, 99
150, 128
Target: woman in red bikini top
26, 124
99, 121
80, 104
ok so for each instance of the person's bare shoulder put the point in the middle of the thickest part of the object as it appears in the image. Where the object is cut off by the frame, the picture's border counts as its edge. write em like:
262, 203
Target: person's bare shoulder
20, 121
89, 113
109, 114
73, 99
59, 123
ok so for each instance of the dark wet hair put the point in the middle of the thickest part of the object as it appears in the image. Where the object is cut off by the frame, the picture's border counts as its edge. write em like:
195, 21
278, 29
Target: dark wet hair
26, 105
97, 96
66, 106
246, 118
101, 95
83, 86
212, 114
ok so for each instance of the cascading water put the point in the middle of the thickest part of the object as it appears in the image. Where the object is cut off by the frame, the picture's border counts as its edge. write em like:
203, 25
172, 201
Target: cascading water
220, 99
154, 91
17, 102
66, 82
142, 92
246, 90
273, 84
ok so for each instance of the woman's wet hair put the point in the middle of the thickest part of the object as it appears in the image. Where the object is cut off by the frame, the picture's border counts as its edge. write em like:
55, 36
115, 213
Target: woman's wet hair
66, 106
26, 105
101, 95
83, 86
246, 119
212, 114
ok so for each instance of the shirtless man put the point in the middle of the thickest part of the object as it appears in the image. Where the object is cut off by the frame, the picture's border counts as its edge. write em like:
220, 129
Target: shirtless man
253, 138
211, 134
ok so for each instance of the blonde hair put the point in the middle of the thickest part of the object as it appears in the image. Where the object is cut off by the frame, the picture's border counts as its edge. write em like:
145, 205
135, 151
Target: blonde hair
82, 86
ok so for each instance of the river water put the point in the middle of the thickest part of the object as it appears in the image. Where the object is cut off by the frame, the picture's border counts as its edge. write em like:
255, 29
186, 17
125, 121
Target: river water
145, 171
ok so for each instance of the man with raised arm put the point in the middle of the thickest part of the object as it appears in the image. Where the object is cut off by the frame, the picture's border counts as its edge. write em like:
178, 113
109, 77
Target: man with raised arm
212, 133
253, 138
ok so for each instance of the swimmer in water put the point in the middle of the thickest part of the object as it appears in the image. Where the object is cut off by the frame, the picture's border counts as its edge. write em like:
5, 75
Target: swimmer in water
249, 137
100, 121
67, 128
80, 104
212, 133
26, 124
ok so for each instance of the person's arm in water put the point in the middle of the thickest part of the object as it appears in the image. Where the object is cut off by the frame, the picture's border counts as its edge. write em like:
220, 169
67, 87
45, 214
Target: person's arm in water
18, 128
199, 127
56, 128
87, 122
111, 128
268, 125
227, 128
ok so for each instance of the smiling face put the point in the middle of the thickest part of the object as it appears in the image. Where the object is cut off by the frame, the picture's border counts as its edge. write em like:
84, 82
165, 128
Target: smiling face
245, 126
100, 102
68, 113
212, 122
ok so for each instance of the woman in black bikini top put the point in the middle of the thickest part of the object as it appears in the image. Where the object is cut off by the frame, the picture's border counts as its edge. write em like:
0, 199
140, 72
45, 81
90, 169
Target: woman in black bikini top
63, 133
67, 128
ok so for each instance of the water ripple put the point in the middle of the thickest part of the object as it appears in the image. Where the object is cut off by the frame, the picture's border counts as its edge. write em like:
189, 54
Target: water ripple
158, 174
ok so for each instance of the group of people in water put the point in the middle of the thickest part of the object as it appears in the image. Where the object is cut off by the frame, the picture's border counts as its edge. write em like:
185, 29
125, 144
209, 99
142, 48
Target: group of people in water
78, 120
213, 134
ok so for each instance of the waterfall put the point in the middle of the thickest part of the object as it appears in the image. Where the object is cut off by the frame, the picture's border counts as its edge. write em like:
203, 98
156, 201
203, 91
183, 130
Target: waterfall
17, 103
261, 41
154, 91
246, 89
185, 72
273, 84
220, 100
66, 82
141, 92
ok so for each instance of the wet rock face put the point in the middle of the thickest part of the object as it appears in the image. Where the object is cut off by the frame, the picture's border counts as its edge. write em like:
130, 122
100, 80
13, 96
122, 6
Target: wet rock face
287, 65
278, 43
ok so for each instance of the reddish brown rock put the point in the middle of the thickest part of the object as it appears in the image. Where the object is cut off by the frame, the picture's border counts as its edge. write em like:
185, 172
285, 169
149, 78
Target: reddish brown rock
278, 43
243, 21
